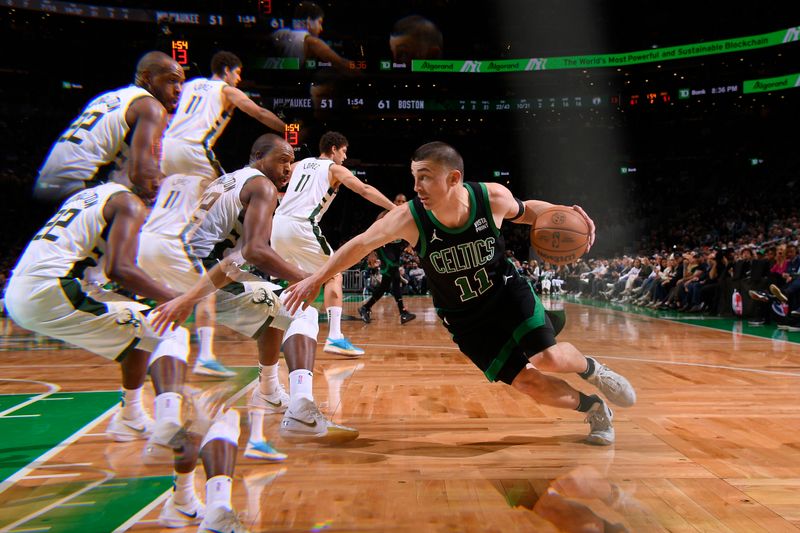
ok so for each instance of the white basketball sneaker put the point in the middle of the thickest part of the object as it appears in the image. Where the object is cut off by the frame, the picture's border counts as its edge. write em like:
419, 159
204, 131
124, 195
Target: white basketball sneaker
308, 424
277, 402
221, 520
160, 447
123, 429
181, 515
601, 431
615, 387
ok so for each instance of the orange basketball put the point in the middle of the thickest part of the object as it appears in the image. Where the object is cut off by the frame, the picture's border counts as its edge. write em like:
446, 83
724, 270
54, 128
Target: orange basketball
560, 236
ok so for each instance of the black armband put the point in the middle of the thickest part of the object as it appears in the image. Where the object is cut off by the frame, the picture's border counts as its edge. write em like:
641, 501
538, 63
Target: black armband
521, 209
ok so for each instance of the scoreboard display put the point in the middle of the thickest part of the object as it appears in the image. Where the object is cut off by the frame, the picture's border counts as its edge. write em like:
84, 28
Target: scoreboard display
400, 105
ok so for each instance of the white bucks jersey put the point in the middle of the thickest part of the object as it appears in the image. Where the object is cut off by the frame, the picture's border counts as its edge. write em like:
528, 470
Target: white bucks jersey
73, 240
216, 224
200, 117
309, 192
178, 196
99, 136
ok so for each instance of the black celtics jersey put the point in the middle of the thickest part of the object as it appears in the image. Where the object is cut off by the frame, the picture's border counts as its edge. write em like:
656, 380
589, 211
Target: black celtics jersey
390, 253
465, 267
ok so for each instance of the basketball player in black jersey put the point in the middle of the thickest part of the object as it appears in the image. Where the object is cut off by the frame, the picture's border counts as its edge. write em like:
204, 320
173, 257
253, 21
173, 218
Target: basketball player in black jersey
492, 313
389, 255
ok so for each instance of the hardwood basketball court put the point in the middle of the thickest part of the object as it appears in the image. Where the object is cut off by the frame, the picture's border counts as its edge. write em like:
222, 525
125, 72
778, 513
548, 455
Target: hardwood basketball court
713, 443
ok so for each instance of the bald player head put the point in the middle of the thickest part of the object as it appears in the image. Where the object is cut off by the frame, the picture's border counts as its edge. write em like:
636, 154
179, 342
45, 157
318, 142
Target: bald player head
273, 156
162, 77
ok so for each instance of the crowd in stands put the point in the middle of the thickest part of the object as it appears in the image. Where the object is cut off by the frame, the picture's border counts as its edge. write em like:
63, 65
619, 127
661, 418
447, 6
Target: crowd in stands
744, 268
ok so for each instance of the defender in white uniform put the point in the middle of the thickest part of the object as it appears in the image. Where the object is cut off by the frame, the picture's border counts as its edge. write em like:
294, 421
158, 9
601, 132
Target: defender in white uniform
178, 197
296, 235
45, 295
231, 226
204, 110
45, 292
118, 130
212, 229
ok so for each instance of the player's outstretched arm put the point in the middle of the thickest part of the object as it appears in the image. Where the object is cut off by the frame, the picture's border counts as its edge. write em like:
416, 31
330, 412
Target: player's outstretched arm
261, 198
242, 101
505, 206
148, 120
368, 192
173, 313
125, 214
398, 224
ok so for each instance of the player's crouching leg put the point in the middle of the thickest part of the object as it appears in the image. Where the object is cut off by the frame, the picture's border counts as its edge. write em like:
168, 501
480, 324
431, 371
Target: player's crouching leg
303, 421
167, 368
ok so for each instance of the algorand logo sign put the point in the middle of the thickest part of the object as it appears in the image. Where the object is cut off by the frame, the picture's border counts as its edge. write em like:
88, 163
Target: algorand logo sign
792, 34
789, 81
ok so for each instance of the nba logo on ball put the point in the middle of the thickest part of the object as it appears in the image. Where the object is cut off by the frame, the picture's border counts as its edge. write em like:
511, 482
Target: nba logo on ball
560, 235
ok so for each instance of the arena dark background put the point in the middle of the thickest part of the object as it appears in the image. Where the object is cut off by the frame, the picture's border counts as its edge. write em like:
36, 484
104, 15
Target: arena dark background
693, 159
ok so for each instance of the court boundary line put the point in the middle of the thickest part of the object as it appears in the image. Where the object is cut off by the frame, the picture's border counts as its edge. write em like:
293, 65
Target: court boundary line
53, 388
61, 391
704, 365
642, 360
144, 511
12, 479
676, 321
47, 508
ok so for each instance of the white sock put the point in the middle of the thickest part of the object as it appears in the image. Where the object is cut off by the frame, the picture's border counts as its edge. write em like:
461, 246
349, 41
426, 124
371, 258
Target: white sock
268, 381
131, 402
335, 323
184, 487
168, 407
256, 425
206, 337
300, 385
218, 492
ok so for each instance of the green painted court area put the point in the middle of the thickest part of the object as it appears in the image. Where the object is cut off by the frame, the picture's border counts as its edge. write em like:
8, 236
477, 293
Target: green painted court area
82, 507
10, 400
86, 505
733, 325
90, 504
34, 429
